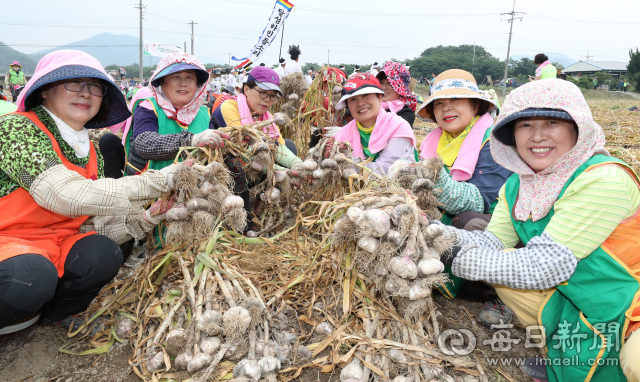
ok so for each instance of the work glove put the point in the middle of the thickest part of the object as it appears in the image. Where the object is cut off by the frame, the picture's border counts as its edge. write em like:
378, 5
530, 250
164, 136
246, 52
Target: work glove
156, 213
292, 175
210, 137
170, 171
330, 131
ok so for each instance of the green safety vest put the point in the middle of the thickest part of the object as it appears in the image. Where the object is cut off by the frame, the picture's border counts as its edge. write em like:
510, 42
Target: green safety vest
587, 308
548, 72
16, 78
168, 126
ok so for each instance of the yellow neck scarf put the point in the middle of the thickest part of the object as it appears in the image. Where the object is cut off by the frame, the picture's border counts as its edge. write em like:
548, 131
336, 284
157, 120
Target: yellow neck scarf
449, 147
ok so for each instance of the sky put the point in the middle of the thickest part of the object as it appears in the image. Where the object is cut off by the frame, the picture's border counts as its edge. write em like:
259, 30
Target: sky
341, 31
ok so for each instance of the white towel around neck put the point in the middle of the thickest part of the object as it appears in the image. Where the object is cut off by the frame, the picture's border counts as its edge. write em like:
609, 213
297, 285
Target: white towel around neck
78, 140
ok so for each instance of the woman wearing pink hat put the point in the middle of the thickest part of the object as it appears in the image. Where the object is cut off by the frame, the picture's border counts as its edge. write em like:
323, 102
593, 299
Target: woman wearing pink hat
62, 220
374, 133
15, 77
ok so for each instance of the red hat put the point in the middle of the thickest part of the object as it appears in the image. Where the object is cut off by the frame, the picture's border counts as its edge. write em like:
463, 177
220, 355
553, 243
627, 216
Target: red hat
361, 83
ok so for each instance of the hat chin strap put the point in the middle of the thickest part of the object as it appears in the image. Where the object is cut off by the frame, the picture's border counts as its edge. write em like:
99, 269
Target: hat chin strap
454, 83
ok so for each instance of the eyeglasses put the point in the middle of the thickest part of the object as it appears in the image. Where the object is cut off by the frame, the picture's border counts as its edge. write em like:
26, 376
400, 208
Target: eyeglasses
98, 90
265, 95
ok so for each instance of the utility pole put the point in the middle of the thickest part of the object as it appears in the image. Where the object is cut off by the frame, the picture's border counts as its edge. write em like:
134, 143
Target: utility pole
473, 65
141, 43
588, 56
513, 13
229, 58
192, 24
328, 56
185, 47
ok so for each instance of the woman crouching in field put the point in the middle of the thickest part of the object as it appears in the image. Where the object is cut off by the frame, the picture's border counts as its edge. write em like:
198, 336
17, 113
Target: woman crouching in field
576, 210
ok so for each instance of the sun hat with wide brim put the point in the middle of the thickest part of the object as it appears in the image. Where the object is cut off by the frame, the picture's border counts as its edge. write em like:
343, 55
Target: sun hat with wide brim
66, 64
454, 83
361, 83
503, 130
202, 76
15, 63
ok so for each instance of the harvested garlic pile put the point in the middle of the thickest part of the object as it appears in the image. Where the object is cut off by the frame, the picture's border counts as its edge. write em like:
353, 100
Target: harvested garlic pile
419, 178
397, 247
201, 201
230, 325
330, 170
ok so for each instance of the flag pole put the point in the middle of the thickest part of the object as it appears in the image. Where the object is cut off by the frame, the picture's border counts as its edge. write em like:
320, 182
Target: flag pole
281, 38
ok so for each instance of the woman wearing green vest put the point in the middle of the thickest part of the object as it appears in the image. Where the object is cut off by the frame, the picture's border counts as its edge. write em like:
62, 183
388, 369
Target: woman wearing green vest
545, 70
172, 118
14, 77
471, 179
576, 210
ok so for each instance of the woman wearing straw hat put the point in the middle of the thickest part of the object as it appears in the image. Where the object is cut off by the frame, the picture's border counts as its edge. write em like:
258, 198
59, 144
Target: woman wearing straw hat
471, 179
61, 220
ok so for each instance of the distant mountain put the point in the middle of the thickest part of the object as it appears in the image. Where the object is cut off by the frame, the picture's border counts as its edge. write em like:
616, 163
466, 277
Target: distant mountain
8, 55
110, 49
553, 57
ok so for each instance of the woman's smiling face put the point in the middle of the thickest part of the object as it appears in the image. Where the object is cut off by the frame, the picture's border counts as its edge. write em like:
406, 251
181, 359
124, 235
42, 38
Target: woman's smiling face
180, 88
541, 141
453, 114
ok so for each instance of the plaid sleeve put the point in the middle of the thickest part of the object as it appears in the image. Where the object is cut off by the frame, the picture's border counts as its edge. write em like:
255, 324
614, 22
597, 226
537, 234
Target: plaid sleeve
153, 146
456, 197
542, 264
64, 191
482, 239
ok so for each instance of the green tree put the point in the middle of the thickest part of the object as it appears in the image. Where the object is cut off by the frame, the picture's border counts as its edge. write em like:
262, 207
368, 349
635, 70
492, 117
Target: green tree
441, 58
634, 68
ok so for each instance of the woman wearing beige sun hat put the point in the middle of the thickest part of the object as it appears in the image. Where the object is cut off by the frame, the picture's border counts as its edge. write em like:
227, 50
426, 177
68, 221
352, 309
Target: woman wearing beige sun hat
468, 185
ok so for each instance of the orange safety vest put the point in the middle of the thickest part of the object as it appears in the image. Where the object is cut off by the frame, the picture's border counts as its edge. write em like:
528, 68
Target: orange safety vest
25, 227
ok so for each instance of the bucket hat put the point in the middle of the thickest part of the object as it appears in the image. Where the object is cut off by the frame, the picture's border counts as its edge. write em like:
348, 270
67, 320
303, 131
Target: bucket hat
453, 83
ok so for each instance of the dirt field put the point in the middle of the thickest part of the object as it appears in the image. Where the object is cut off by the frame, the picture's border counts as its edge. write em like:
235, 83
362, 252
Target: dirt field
39, 360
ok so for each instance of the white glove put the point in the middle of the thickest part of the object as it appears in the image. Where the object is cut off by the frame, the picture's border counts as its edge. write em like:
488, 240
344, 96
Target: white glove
209, 137
157, 212
330, 131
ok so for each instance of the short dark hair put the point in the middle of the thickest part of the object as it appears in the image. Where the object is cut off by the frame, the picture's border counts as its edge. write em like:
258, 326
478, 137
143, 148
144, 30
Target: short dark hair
540, 58
250, 84
482, 107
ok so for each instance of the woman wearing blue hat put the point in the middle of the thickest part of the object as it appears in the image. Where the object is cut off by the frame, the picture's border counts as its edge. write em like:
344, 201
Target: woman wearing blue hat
62, 221
174, 117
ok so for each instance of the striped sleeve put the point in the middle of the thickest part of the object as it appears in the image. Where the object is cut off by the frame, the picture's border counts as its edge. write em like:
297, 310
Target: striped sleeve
501, 225
592, 207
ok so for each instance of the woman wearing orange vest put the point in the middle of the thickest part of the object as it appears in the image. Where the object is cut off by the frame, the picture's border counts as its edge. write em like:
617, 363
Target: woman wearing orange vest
61, 220
577, 212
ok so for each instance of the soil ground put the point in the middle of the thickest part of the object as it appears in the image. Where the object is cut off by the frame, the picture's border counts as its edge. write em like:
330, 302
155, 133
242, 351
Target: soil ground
40, 361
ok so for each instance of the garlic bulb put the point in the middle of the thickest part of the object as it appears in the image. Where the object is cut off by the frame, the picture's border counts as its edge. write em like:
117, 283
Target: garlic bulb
429, 266
210, 345
310, 165
397, 355
369, 244
433, 231
329, 164
176, 340
155, 363
236, 321
377, 221
417, 292
269, 365
199, 362
247, 368
182, 361
124, 327
319, 173
402, 266
351, 371
231, 202
347, 172
355, 214
324, 329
